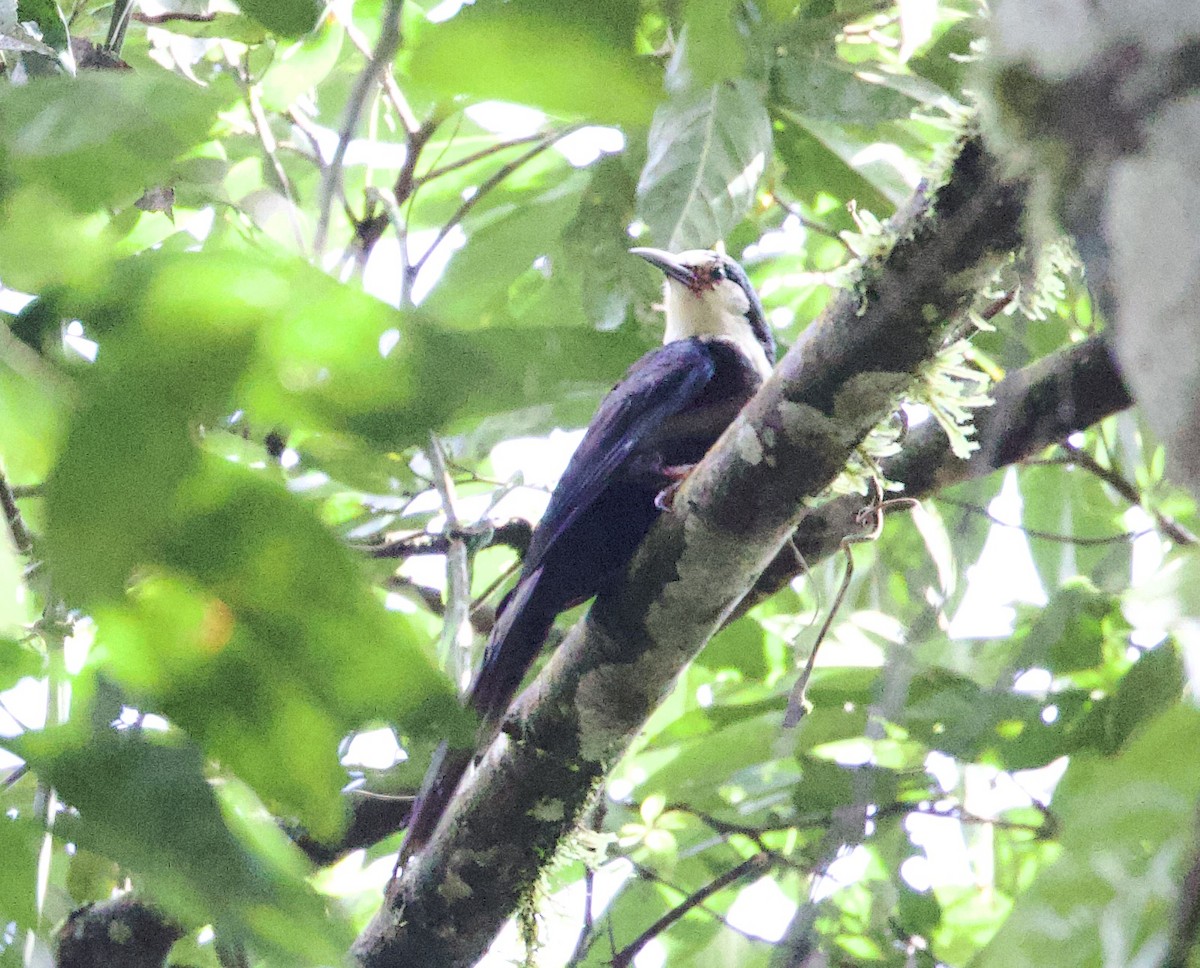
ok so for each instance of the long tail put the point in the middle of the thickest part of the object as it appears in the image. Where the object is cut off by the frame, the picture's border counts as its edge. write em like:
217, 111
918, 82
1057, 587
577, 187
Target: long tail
522, 623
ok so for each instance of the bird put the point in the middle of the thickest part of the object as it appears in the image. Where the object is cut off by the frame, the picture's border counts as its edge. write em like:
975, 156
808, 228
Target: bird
648, 432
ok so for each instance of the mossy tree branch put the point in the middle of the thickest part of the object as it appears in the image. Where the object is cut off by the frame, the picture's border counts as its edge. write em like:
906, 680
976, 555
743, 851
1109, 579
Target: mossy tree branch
731, 518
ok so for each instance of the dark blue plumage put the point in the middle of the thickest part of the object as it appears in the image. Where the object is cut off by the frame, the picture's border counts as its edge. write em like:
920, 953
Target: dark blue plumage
655, 424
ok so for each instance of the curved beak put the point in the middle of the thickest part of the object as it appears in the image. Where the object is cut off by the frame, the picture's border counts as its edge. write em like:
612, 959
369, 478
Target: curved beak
671, 267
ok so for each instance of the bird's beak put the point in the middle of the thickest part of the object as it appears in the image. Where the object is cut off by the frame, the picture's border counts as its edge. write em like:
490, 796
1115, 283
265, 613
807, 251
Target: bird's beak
672, 268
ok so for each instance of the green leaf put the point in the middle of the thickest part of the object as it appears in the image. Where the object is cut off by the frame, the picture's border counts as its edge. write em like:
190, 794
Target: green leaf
743, 744
918, 912
815, 170
288, 18
1127, 834
302, 67
707, 151
560, 57
1068, 633
191, 337
816, 88
826, 786
740, 646
946, 61
710, 48
143, 801
1074, 504
101, 138
91, 877
48, 17
20, 842
18, 660
1152, 684
129, 447
1155, 682
480, 275
954, 715
207, 649
596, 242
640, 903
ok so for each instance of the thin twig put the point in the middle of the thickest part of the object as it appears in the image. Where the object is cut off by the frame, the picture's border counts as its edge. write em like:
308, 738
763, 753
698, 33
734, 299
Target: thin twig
381, 56
1186, 925
650, 875
53, 629
589, 891
964, 816
756, 834
306, 127
1128, 490
266, 138
369, 230
118, 24
157, 19
390, 88
14, 777
514, 533
22, 540
480, 155
23, 727
756, 864
798, 705
408, 276
456, 628
583, 944
486, 186
431, 598
726, 827
482, 598
417, 140
969, 325
1071, 539
815, 226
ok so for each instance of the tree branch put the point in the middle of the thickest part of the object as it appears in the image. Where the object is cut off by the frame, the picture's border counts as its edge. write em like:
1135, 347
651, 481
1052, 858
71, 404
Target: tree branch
756, 864
22, 540
731, 517
1128, 490
331, 175
1080, 384
1186, 927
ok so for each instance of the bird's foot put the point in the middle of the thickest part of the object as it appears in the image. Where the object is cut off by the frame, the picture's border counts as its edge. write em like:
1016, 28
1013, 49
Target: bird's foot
675, 473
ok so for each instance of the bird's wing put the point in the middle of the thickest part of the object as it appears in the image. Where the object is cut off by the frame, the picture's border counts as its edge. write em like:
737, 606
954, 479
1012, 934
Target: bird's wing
659, 385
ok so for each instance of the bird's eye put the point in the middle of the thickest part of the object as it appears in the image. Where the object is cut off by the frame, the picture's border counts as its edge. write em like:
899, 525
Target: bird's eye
719, 272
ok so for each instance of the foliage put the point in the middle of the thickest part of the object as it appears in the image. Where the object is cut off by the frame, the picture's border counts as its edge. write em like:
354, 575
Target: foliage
214, 406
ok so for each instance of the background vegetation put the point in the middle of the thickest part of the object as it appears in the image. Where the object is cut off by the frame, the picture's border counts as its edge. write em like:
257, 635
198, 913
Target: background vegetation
302, 273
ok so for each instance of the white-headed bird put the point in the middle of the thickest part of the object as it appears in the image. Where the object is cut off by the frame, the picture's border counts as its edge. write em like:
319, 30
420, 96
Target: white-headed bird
650, 430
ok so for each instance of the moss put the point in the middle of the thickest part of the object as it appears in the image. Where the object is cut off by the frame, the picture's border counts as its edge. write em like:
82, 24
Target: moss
453, 888
865, 396
526, 916
1020, 99
548, 810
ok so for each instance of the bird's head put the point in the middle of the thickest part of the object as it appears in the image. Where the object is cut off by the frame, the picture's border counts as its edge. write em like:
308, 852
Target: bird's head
707, 293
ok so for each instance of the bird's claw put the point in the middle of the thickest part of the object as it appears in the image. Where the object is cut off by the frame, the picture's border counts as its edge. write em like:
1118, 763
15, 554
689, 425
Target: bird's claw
675, 473
664, 500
